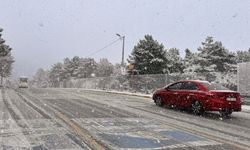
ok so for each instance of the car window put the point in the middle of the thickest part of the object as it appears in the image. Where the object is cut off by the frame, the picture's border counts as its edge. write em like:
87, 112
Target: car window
214, 86
176, 86
189, 86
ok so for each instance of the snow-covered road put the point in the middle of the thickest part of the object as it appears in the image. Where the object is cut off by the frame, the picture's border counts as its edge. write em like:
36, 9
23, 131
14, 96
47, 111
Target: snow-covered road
84, 119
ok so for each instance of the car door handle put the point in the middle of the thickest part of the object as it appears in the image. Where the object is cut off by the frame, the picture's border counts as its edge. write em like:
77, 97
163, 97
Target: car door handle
191, 94
175, 93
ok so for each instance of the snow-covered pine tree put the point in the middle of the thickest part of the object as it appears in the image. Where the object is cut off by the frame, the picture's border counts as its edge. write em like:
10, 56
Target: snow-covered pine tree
189, 62
213, 57
243, 56
148, 56
67, 68
41, 77
90, 67
104, 68
56, 74
6, 59
174, 64
75, 64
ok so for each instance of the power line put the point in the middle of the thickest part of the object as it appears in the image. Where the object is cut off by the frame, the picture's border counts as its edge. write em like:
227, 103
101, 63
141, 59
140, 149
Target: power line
103, 47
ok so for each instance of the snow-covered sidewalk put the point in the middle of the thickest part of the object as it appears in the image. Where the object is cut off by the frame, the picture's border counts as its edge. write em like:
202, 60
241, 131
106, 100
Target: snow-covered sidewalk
245, 108
123, 93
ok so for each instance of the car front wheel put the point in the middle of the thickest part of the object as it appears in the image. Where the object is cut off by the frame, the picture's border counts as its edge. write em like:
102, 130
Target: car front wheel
197, 108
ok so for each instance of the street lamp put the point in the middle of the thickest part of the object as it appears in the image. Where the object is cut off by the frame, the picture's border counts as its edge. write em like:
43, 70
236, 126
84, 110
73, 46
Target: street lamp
123, 42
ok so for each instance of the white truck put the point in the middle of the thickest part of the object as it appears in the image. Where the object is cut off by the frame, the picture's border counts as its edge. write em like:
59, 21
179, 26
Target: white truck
23, 82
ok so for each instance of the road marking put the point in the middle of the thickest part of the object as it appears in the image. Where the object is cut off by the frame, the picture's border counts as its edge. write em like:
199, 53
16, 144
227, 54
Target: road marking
37, 109
149, 137
203, 134
82, 133
174, 126
241, 146
209, 136
18, 139
200, 133
43, 135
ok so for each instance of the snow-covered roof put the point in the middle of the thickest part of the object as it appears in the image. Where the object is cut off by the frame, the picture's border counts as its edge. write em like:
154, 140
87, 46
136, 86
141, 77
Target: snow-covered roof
23, 77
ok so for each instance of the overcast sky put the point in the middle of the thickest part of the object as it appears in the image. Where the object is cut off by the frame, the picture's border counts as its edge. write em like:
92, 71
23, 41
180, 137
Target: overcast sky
43, 32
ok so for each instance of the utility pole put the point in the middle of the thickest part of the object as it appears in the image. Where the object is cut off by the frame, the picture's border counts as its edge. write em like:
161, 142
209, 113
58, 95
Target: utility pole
123, 46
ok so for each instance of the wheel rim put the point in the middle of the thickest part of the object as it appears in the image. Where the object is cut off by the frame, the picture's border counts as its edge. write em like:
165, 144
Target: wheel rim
158, 101
196, 107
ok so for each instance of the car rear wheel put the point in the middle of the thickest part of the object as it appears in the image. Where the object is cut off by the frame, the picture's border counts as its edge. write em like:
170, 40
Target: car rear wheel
197, 108
158, 101
226, 113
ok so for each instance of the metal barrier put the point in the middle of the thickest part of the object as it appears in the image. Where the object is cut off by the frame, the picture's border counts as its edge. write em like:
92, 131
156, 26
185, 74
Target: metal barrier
243, 81
148, 83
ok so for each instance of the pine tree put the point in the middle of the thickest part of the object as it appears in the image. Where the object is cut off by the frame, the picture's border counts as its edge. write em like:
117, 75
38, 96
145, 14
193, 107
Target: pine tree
6, 59
174, 64
148, 56
41, 78
188, 54
117, 70
90, 66
75, 64
243, 56
188, 59
104, 68
213, 57
56, 74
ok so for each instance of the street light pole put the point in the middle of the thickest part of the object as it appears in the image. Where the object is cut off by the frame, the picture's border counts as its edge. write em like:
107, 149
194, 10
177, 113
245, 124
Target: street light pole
123, 46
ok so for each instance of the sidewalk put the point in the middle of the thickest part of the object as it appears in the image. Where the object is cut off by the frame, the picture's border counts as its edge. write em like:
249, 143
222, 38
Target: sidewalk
245, 108
123, 93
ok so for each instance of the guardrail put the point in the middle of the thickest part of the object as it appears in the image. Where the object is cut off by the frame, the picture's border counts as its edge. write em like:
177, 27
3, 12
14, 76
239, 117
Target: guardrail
246, 100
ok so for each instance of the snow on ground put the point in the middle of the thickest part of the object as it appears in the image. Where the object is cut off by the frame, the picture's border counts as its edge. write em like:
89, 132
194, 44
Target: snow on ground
246, 108
124, 92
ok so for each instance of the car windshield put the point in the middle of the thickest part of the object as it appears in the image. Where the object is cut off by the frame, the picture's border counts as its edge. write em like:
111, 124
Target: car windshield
214, 86
23, 79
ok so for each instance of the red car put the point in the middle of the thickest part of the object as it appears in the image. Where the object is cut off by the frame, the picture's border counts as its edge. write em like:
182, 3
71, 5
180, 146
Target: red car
199, 96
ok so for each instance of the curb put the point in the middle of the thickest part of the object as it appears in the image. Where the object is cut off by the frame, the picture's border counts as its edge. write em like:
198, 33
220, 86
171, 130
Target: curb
123, 93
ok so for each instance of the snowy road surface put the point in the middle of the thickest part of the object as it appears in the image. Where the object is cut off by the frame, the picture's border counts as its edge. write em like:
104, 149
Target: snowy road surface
71, 119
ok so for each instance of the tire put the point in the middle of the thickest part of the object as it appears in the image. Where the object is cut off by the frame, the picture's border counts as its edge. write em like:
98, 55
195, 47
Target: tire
158, 101
226, 113
196, 108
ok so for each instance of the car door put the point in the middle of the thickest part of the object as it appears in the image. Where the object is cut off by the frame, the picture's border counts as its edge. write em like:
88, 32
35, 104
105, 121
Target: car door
187, 94
172, 93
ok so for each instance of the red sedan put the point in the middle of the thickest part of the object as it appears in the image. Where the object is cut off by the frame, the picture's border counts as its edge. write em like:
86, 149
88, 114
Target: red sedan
199, 96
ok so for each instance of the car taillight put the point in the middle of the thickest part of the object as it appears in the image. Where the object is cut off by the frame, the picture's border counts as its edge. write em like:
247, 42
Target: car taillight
241, 99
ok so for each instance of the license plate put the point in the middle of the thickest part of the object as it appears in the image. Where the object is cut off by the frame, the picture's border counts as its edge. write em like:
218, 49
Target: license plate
231, 99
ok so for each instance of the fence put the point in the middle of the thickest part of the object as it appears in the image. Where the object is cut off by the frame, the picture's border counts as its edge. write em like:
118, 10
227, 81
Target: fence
148, 83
